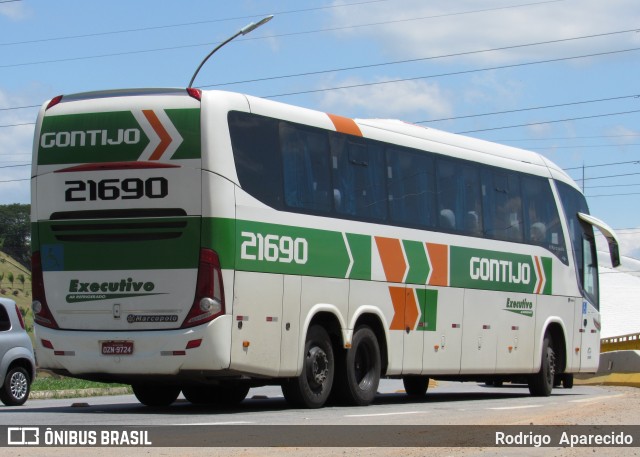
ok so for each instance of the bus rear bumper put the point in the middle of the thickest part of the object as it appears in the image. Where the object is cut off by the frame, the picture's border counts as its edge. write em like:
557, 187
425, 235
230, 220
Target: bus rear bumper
163, 354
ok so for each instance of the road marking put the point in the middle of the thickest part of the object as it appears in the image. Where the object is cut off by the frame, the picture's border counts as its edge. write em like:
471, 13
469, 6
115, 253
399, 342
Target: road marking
604, 397
217, 423
517, 407
386, 414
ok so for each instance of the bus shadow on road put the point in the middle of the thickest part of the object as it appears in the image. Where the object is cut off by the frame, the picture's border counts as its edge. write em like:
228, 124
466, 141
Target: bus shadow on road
274, 403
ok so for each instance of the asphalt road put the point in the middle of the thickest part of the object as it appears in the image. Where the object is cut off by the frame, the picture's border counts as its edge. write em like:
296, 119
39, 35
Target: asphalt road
265, 419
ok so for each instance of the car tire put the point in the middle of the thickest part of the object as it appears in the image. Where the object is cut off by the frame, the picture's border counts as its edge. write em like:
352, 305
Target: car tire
16, 388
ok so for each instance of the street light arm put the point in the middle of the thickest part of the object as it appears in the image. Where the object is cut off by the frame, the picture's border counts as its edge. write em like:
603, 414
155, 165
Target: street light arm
243, 31
209, 55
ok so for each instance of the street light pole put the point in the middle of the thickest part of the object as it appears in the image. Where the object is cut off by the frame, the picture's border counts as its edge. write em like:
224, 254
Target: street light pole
243, 31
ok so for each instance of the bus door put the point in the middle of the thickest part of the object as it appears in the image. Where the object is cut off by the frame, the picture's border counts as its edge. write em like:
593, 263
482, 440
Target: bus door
587, 264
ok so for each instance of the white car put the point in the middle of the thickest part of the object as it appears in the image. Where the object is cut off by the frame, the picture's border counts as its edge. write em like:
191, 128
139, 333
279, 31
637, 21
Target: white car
17, 362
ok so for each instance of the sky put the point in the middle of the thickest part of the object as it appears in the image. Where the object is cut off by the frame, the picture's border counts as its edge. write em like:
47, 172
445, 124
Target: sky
560, 77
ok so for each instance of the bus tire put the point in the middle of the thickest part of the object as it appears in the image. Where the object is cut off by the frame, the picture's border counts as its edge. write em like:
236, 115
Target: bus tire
232, 394
200, 395
567, 381
155, 394
416, 386
541, 383
223, 395
312, 388
362, 368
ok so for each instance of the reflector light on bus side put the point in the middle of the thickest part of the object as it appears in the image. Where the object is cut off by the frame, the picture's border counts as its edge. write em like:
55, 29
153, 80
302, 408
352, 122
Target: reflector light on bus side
209, 299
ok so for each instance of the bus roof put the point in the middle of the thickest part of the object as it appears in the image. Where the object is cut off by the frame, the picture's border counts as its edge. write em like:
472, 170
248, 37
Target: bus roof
389, 130
420, 137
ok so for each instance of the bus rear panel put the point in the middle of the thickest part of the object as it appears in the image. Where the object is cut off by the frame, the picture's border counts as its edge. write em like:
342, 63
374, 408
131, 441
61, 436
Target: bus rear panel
121, 281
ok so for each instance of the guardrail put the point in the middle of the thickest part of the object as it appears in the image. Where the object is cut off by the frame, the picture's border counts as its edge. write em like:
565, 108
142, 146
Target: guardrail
620, 343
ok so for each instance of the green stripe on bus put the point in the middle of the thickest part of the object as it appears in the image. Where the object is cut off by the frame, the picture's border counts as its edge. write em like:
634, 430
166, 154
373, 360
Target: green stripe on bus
494, 270
418, 263
123, 244
90, 138
187, 122
274, 248
428, 302
547, 267
118, 136
360, 246
172, 243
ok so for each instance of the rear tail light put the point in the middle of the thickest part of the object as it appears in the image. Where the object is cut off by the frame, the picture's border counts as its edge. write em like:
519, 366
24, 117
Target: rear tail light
54, 101
195, 93
209, 299
20, 317
41, 312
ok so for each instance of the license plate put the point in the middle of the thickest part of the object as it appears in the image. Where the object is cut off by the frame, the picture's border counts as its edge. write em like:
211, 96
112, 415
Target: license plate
117, 347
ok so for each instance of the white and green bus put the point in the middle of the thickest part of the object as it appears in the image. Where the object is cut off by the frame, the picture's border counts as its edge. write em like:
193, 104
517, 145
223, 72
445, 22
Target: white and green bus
205, 242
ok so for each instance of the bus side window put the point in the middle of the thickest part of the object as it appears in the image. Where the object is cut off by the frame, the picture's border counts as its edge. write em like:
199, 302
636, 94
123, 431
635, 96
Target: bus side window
459, 202
541, 218
358, 177
411, 183
502, 205
306, 172
256, 151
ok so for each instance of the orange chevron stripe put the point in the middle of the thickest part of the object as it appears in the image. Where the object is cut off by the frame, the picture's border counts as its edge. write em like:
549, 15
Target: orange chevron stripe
345, 125
540, 274
439, 256
411, 309
165, 138
398, 299
392, 257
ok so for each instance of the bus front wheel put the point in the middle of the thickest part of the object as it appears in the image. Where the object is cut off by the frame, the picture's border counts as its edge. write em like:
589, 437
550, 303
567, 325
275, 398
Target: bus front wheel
541, 383
312, 388
155, 394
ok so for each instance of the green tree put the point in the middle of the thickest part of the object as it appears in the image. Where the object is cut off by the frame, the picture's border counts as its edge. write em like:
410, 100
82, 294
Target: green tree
10, 278
21, 279
15, 231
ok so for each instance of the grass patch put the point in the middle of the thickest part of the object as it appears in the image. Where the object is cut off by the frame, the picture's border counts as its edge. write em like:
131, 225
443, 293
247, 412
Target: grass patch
43, 383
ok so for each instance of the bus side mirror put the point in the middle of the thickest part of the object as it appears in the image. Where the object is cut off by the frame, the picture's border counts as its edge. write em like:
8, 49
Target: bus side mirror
609, 234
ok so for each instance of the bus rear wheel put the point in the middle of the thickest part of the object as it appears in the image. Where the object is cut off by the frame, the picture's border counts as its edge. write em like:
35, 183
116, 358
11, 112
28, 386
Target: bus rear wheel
155, 394
360, 374
312, 388
541, 383
222, 395
416, 386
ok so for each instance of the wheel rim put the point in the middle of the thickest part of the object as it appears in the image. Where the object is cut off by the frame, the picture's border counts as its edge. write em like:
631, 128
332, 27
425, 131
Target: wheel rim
362, 366
317, 367
19, 385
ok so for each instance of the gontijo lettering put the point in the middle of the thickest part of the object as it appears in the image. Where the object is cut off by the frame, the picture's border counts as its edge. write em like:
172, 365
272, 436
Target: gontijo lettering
89, 138
499, 270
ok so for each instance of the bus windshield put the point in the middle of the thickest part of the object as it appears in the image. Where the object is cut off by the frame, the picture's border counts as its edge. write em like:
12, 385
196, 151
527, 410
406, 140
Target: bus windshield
582, 241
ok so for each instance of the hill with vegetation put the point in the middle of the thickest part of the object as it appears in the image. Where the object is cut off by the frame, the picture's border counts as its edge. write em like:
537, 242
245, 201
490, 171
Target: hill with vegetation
15, 283
15, 257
